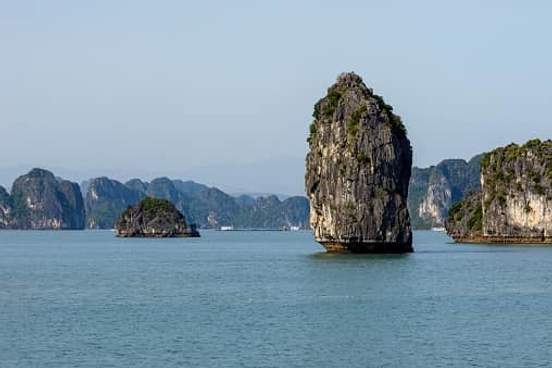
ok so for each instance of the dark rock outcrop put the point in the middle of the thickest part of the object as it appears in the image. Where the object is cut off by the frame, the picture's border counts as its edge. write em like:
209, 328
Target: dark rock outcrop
515, 203
105, 200
464, 219
154, 217
358, 170
44, 202
435, 189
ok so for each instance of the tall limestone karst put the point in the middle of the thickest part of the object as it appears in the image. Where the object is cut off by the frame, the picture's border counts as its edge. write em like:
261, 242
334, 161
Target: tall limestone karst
357, 171
105, 200
43, 202
515, 202
435, 189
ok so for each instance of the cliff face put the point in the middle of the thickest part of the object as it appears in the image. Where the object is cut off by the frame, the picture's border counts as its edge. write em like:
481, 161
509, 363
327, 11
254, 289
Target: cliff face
433, 190
154, 217
42, 202
6, 209
515, 199
105, 200
358, 170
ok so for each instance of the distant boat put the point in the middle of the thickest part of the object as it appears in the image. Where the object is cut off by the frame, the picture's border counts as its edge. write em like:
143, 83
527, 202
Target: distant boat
294, 228
439, 229
227, 228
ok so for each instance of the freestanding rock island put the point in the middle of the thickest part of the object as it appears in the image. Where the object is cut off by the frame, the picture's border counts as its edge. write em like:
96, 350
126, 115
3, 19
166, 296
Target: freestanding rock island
154, 218
514, 205
357, 174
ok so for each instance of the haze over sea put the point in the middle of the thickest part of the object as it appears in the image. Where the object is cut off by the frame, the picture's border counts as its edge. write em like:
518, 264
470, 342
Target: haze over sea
269, 299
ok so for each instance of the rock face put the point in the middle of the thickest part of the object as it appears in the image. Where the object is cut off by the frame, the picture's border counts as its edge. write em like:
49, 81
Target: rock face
105, 200
6, 209
154, 217
358, 170
435, 189
515, 203
44, 202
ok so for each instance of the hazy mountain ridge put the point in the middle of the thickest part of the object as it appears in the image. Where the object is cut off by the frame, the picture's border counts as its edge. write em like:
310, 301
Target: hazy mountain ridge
207, 207
39, 200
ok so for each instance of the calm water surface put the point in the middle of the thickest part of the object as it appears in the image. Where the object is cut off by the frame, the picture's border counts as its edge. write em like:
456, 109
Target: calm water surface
269, 299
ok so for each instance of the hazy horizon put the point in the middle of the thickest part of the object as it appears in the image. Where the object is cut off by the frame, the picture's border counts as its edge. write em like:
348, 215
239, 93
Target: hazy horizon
222, 93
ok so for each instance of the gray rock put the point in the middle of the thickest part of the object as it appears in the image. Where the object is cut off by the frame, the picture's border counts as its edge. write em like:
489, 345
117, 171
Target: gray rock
43, 202
358, 170
515, 203
435, 189
105, 200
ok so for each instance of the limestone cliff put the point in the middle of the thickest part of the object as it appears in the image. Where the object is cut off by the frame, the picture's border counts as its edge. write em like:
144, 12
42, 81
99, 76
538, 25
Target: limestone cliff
515, 199
6, 209
105, 200
435, 189
43, 202
357, 171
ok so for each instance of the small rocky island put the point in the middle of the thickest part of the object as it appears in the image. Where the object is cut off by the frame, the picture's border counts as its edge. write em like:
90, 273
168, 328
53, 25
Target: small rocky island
357, 172
154, 218
514, 205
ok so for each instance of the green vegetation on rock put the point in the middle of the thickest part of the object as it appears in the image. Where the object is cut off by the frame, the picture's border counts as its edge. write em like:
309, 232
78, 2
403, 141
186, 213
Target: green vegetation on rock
514, 177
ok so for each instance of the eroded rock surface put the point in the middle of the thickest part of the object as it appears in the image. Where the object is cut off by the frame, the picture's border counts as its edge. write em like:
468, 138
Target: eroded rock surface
435, 189
515, 198
43, 202
358, 170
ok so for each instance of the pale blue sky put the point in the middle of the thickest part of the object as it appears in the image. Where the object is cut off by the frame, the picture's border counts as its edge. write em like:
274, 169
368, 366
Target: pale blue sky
140, 88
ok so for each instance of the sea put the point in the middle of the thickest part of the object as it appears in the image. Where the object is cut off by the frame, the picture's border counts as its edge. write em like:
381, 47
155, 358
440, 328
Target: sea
269, 299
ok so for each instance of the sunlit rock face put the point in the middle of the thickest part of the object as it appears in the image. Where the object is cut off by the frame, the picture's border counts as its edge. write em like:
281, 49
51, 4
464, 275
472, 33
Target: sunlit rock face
43, 202
515, 203
357, 171
435, 189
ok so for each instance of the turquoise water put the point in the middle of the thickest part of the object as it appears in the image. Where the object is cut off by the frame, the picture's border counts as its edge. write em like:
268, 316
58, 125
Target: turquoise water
269, 299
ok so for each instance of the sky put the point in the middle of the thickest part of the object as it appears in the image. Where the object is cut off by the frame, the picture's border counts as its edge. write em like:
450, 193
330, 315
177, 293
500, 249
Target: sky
222, 92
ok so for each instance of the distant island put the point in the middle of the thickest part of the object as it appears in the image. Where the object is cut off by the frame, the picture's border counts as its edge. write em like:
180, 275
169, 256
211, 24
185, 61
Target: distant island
154, 218
514, 204
41, 201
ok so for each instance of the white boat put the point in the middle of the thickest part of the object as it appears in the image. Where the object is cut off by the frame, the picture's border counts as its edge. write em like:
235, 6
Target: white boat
226, 228
439, 229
